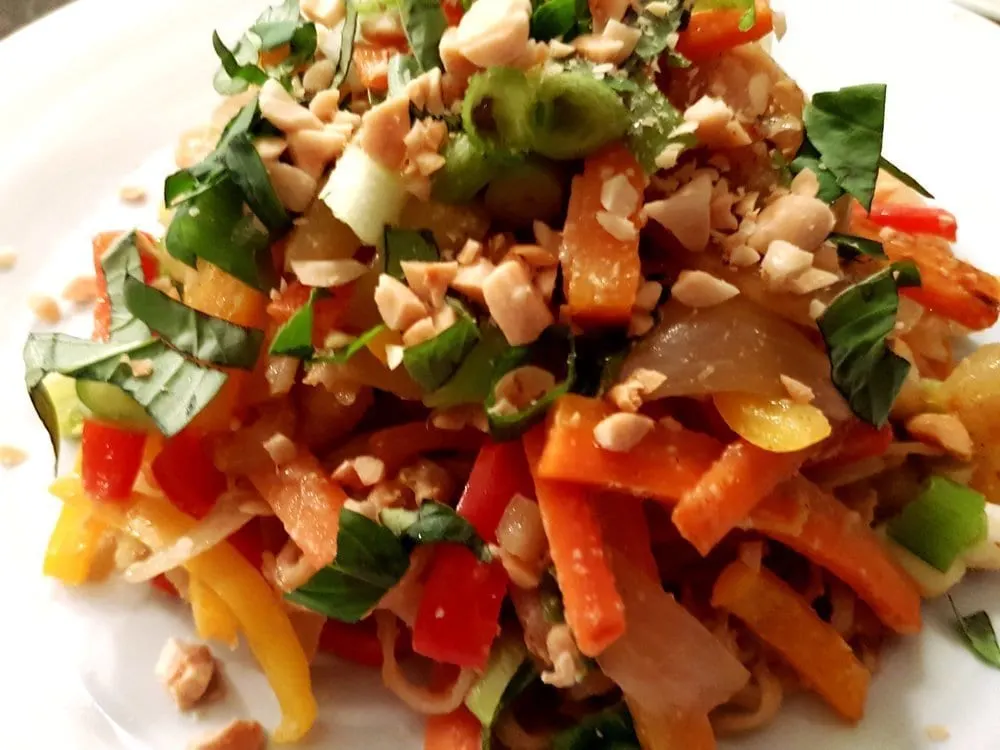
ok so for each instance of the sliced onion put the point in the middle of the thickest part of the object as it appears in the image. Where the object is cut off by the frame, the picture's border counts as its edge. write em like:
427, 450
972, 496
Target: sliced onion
735, 346
667, 661
520, 531
225, 520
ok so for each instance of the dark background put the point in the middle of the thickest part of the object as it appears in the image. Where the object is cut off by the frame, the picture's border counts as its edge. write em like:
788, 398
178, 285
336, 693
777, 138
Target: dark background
16, 13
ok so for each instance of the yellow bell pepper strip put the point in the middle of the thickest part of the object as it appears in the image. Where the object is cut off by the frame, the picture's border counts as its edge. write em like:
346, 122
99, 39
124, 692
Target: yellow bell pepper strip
785, 621
213, 620
73, 546
262, 617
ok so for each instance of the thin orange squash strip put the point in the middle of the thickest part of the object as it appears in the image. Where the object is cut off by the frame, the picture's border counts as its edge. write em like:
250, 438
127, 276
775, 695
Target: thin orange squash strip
724, 496
666, 464
594, 610
601, 272
815, 524
786, 622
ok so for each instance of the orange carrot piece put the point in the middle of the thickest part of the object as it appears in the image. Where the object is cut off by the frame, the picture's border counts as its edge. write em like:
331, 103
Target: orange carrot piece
786, 622
371, 61
815, 524
217, 293
399, 444
459, 730
601, 272
666, 464
724, 496
307, 503
625, 530
670, 731
594, 609
713, 32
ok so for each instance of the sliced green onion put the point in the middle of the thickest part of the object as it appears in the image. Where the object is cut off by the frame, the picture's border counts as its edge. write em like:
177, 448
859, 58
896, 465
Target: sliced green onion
484, 699
498, 107
574, 115
469, 165
70, 411
554, 18
110, 403
944, 521
524, 192
433, 362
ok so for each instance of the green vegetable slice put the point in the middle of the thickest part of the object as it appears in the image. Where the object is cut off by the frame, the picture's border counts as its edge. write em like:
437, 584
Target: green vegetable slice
491, 357
497, 109
527, 191
434, 523
405, 245
249, 174
433, 362
347, 35
294, 337
855, 327
944, 521
370, 561
850, 247
556, 18
468, 166
485, 697
111, 403
574, 114
424, 23
68, 408
977, 631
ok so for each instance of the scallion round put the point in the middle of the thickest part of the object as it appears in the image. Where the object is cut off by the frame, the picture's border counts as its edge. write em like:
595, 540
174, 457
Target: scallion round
530, 190
574, 115
468, 166
497, 110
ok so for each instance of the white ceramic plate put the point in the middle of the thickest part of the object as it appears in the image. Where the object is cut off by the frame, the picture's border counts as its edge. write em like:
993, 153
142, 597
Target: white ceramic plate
989, 8
95, 96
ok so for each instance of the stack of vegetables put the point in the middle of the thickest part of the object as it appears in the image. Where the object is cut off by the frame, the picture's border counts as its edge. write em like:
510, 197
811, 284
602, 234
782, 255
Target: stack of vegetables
577, 307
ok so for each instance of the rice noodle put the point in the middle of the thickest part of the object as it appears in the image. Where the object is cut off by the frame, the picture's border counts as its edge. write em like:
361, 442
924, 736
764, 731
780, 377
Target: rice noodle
225, 519
403, 599
770, 695
421, 699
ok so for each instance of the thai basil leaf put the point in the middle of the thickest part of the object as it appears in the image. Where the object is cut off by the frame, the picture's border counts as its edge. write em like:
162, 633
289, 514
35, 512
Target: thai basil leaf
239, 66
846, 127
194, 333
370, 561
347, 35
855, 327
903, 177
424, 23
433, 362
342, 355
434, 523
512, 426
479, 370
121, 262
294, 338
610, 728
554, 18
657, 31
977, 631
408, 244
172, 395
653, 120
850, 247
809, 158
247, 171
402, 70
278, 24
214, 226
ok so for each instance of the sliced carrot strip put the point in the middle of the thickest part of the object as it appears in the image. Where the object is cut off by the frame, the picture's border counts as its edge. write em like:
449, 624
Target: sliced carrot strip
671, 731
786, 622
666, 464
594, 610
742, 477
601, 272
814, 524
712, 32
626, 530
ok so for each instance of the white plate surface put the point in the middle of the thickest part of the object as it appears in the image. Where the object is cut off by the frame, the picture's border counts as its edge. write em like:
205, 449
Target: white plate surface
94, 98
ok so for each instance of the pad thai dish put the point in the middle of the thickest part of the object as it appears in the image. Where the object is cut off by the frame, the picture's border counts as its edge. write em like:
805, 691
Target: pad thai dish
562, 361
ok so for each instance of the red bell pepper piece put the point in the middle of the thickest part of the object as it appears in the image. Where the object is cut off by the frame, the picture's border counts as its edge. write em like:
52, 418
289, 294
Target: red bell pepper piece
102, 308
916, 219
356, 642
328, 312
459, 613
459, 730
186, 474
112, 457
500, 472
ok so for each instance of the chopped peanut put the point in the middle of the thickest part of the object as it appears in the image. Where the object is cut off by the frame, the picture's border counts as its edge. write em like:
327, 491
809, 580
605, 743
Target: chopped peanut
327, 12
520, 388
280, 448
132, 194
811, 280
11, 456
399, 307
319, 76
565, 657
45, 308
944, 430
313, 150
802, 221
430, 280
648, 295
701, 289
687, 213
716, 123
470, 253
428, 480
421, 331
618, 196
360, 472
455, 418
82, 290
186, 671
515, 304
294, 187
470, 279
327, 273
279, 108
629, 395
623, 431
494, 32
619, 227
799, 391
783, 260
141, 368
240, 735
640, 324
